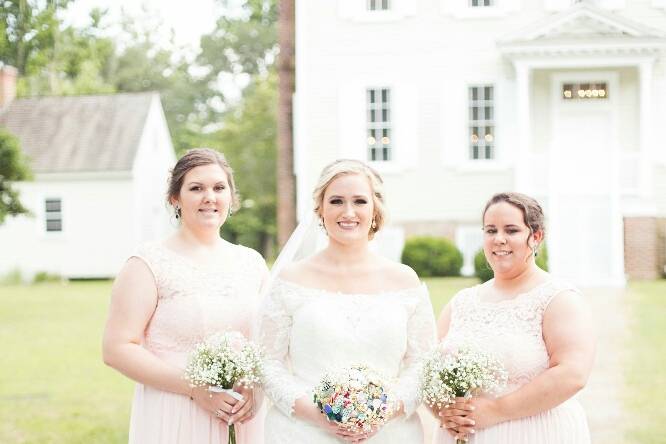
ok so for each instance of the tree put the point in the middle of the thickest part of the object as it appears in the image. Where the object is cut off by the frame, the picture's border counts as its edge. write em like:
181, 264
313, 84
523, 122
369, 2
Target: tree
247, 139
13, 167
286, 186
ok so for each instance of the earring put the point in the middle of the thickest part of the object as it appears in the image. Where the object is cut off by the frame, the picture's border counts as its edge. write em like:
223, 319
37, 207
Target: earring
230, 212
178, 212
323, 227
373, 225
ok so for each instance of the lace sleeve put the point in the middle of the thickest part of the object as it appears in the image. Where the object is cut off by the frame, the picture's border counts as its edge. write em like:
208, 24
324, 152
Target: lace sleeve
279, 384
421, 334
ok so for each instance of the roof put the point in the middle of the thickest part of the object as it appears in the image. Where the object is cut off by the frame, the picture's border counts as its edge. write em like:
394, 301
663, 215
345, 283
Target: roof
79, 133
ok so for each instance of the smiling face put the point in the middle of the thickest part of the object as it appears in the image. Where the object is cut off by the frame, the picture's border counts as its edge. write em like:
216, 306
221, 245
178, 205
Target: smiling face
204, 198
347, 209
507, 241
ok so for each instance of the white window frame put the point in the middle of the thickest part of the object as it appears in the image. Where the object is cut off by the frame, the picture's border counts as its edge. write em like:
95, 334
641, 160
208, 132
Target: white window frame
359, 11
480, 104
379, 5
49, 215
376, 113
463, 9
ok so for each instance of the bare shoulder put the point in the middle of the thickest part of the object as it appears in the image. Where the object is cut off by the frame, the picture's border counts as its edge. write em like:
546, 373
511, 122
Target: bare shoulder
298, 272
567, 304
399, 275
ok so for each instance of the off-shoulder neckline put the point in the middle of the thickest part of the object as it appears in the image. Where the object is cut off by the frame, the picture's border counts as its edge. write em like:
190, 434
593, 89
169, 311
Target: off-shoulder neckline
301, 287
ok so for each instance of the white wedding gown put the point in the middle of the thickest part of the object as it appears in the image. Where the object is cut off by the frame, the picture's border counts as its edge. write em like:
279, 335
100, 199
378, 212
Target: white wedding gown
307, 332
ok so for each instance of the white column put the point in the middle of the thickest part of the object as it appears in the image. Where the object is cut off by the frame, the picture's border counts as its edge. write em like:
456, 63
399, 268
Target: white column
523, 129
645, 68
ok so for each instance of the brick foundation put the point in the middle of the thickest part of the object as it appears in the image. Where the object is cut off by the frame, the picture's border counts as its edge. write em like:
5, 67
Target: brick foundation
644, 247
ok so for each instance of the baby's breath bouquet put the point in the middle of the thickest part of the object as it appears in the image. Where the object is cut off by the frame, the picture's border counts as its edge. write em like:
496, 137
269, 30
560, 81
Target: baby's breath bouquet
355, 397
465, 372
222, 361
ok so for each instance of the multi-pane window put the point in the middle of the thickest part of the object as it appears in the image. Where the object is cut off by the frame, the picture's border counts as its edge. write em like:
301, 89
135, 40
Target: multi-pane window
378, 104
583, 91
481, 122
378, 5
481, 3
53, 212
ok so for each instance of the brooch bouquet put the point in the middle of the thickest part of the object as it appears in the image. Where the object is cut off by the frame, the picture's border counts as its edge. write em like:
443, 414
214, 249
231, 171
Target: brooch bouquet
222, 361
355, 397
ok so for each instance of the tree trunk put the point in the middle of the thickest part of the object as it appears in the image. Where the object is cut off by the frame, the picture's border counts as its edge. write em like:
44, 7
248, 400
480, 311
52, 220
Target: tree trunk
286, 182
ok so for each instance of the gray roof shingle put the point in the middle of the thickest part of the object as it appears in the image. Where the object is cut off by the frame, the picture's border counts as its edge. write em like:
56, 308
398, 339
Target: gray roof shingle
79, 133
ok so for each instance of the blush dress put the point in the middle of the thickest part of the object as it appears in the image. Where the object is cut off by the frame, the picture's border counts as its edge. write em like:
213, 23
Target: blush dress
194, 301
511, 330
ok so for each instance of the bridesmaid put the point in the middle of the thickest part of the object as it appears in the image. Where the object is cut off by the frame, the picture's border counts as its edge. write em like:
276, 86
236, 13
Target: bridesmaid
171, 295
536, 325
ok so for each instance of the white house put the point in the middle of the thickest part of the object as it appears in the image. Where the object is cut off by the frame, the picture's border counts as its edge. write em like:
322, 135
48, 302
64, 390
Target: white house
100, 167
454, 100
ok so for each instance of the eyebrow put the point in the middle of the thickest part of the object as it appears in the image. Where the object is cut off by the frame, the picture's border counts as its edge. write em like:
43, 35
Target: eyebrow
509, 225
194, 182
353, 197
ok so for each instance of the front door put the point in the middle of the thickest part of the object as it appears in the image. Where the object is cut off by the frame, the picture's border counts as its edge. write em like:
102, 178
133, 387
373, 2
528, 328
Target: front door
585, 234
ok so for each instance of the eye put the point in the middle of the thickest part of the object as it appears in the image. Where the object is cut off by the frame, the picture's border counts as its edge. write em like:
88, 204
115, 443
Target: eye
491, 230
512, 230
220, 188
195, 188
360, 201
335, 201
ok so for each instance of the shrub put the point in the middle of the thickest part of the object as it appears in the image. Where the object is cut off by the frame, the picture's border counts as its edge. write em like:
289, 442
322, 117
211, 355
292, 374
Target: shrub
45, 276
12, 277
483, 271
432, 256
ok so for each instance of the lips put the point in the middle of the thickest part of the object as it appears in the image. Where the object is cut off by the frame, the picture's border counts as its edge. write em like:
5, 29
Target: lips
502, 253
347, 225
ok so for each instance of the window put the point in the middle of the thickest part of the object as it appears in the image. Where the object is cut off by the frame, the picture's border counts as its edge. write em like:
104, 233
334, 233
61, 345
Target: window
378, 5
481, 122
584, 91
53, 212
481, 3
378, 104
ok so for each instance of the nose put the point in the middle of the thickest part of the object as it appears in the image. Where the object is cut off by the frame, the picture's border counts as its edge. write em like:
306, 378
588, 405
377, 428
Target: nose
209, 195
500, 239
349, 209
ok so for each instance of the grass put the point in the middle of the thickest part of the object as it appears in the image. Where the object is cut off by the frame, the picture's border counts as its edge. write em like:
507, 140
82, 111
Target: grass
54, 387
645, 368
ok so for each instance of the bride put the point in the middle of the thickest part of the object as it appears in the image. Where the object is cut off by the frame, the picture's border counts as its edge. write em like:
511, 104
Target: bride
341, 306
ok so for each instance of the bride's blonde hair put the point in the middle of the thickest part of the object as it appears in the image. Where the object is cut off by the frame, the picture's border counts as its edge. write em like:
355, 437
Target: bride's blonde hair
343, 167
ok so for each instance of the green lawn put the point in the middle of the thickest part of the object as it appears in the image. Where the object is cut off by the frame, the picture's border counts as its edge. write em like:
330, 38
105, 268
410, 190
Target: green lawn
54, 387
645, 369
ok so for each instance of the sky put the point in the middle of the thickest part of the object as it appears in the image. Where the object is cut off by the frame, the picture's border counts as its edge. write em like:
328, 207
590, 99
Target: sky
189, 19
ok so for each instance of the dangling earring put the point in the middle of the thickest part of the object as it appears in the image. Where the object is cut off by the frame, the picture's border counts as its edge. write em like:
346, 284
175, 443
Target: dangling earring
373, 225
178, 212
323, 227
534, 250
230, 212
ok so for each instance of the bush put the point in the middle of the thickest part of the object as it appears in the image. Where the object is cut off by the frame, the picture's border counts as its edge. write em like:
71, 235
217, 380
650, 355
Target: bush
483, 271
13, 277
44, 276
432, 256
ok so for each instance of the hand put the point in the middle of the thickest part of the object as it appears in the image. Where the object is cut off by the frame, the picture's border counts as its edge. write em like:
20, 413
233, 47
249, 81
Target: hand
244, 410
219, 405
486, 412
455, 418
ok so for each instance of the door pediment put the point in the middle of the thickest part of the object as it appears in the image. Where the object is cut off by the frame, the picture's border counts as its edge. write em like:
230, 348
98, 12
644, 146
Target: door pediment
583, 27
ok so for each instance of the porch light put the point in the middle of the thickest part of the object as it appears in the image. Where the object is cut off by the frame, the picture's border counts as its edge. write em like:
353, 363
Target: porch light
385, 140
475, 138
371, 140
488, 138
567, 94
581, 93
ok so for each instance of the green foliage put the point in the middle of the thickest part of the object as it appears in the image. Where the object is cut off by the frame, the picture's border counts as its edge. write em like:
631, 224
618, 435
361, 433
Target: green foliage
13, 167
432, 256
482, 269
45, 276
12, 277
247, 139
484, 272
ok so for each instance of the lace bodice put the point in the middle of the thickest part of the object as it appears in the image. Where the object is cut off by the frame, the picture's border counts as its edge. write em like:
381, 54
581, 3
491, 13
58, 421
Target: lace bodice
511, 330
307, 332
195, 301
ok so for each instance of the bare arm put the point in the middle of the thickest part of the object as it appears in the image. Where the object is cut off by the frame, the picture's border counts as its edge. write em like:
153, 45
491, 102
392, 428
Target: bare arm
133, 302
570, 342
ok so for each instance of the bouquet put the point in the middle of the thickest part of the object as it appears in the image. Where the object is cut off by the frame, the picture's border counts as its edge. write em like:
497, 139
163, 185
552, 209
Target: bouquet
462, 373
355, 397
222, 361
